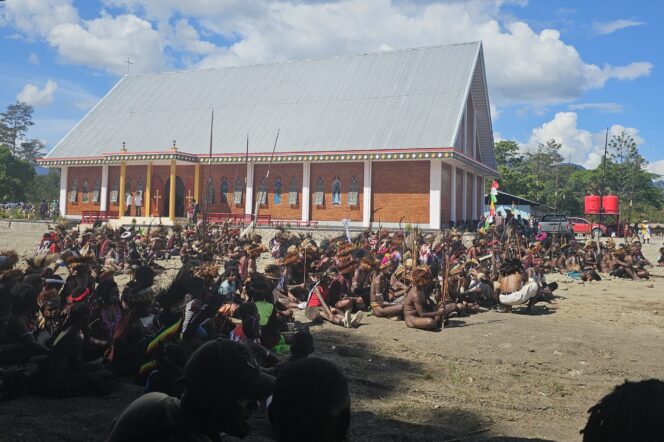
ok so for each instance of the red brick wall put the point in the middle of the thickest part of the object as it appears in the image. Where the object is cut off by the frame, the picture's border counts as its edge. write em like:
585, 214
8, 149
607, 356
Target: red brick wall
285, 172
400, 189
446, 193
80, 174
230, 172
345, 171
459, 198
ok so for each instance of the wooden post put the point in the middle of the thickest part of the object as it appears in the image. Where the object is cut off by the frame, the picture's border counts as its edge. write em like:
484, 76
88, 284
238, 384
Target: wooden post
197, 181
123, 181
147, 198
171, 196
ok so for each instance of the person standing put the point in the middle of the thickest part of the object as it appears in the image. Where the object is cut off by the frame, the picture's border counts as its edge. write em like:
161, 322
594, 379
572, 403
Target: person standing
138, 202
43, 209
128, 204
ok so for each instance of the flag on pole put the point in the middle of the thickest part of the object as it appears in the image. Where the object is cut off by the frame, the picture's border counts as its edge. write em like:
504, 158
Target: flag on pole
493, 197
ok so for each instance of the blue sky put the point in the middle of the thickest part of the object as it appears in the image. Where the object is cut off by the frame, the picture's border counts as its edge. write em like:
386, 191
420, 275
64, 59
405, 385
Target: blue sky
556, 69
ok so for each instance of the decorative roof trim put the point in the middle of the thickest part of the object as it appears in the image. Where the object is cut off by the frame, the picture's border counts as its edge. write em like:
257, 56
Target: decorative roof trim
394, 155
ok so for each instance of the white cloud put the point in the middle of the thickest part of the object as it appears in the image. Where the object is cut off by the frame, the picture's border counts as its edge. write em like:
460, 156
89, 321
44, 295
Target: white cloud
581, 146
32, 95
105, 42
36, 18
612, 108
610, 27
33, 59
525, 67
656, 167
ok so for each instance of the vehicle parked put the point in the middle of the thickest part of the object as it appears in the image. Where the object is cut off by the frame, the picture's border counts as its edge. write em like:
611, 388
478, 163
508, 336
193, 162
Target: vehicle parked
555, 223
582, 226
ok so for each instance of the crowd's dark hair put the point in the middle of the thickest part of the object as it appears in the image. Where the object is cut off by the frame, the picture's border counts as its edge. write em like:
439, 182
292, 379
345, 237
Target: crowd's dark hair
632, 411
298, 391
302, 344
24, 296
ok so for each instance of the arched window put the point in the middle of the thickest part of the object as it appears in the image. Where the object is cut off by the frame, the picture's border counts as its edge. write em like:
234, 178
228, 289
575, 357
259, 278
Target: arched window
73, 194
209, 191
85, 197
319, 194
96, 191
336, 192
278, 189
223, 198
140, 187
292, 192
238, 188
115, 190
353, 191
262, 190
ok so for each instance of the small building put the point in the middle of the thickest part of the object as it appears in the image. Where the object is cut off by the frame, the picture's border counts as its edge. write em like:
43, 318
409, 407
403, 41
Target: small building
381, 137
517, 205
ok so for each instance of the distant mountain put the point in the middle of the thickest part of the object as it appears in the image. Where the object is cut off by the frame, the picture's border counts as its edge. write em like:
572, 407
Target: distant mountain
659, 184
41, 170
573, 166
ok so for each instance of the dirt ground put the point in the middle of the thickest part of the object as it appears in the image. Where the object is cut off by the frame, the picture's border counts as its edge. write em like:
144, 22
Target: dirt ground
490, 376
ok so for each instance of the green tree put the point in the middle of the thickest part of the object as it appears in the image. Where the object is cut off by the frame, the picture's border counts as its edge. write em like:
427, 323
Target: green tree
16, 176
14, 125
31, 150
45, 186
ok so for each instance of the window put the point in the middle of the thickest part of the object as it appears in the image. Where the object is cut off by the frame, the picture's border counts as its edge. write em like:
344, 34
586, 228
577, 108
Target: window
292, 192
127, 188
353, 192
278, 189
85, 197
238, 188
262, 190
209, 191
115, 190
336, 192
319, 195
224, 191
73, 194
97, 190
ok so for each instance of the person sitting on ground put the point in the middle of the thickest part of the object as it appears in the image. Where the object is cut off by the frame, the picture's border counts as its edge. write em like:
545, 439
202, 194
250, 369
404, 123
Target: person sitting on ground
20, 329
632, 411
301, 346
322, 407
317, 306
660, 260
526, 294
220, 373
381, 304
65, 373
417, 309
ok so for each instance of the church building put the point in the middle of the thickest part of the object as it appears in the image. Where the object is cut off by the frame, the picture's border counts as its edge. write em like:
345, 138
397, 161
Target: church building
386, 137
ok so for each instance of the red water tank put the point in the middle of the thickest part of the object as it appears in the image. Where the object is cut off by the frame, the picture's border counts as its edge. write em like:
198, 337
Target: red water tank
591, 204
610, 203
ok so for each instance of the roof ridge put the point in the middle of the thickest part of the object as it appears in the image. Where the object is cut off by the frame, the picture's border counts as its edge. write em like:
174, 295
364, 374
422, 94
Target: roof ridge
304, 60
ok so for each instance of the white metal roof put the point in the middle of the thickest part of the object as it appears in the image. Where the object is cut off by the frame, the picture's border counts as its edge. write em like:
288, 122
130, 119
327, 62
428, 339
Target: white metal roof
386, 100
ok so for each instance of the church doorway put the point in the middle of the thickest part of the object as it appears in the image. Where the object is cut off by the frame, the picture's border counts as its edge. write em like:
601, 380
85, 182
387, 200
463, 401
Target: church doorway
179, 197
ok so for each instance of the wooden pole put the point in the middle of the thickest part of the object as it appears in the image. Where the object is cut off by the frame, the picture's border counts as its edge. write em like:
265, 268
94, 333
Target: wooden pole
171, 195
123, 181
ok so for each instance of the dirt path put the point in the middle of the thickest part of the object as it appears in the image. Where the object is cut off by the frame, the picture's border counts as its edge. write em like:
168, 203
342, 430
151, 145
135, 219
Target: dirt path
489, 376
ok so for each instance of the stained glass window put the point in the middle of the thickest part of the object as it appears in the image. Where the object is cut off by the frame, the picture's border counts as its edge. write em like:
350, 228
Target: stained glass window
96, 191
336, 192
73, 194
292, 192
209, 191
319, 194
353, 192
238, 188
115, 190
262, 190
224, 191
85, 197
278, 189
